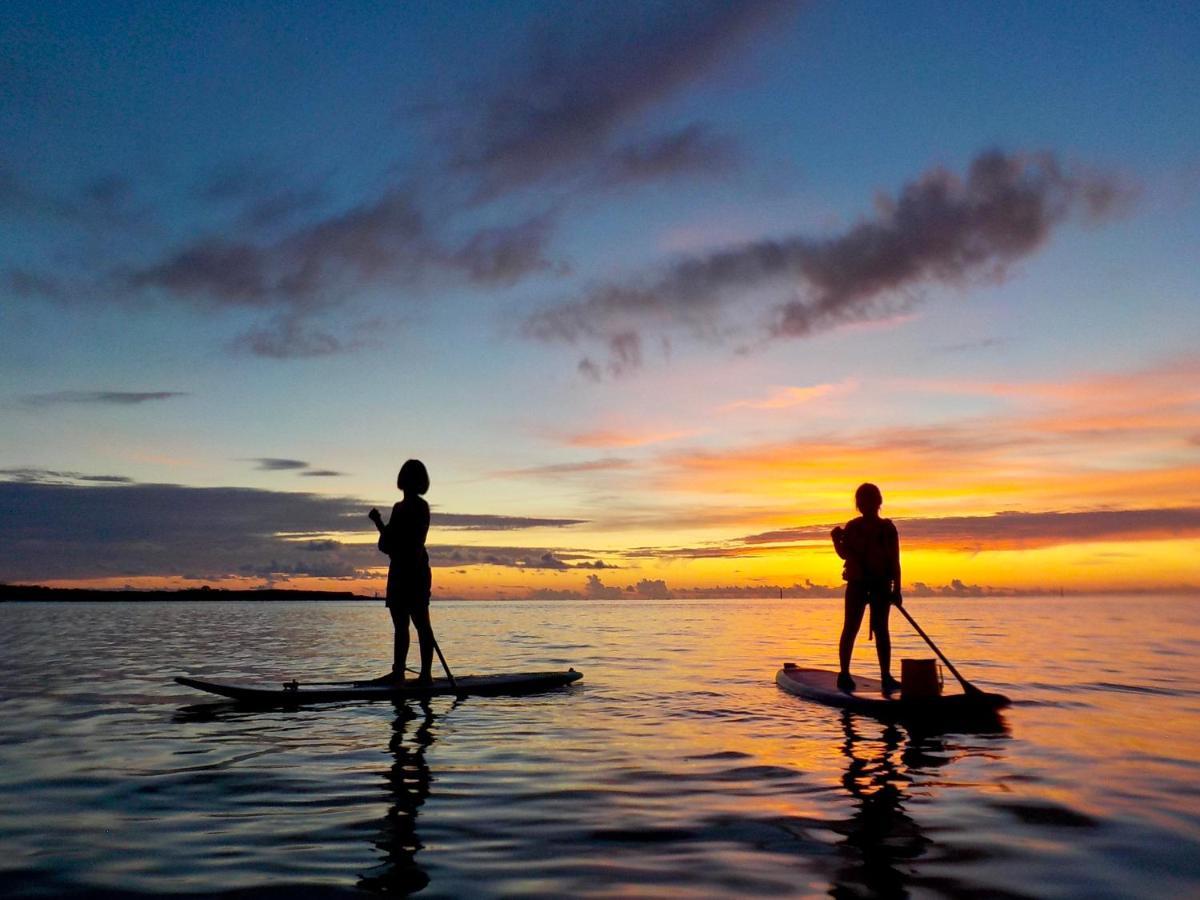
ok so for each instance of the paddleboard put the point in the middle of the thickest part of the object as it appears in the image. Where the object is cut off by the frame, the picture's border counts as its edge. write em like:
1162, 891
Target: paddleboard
296, 693
867, 697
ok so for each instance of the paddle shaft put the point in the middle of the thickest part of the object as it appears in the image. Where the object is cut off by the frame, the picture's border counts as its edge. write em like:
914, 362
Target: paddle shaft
967, 686
442, 657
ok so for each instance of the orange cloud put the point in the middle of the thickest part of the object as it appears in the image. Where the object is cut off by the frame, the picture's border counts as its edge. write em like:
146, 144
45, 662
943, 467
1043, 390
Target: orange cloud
615, 437
784, 397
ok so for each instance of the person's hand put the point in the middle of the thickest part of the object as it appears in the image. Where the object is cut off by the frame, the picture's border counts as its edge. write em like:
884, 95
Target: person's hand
897, 599
374, 515
837, 533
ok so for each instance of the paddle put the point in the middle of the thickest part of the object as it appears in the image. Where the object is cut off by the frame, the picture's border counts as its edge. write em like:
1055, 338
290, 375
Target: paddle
967, 686
442, 657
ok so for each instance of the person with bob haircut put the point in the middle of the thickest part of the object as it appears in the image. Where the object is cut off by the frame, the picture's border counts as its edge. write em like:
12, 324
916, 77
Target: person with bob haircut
871, 548
409, 580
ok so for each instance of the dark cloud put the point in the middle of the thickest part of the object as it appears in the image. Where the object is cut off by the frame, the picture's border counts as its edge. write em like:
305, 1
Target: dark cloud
503, 255
585, 80
386, 243
1006, 530
261, 194
99, 202
360, 245
276, 464
322, 473
690, 150
149, 529
511, 557
52, 476
292, 336
172, 530
28, 284
103, 398
971, 346
940, 229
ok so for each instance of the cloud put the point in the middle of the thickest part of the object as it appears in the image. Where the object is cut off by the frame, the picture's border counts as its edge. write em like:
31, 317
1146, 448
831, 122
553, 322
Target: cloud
449, 556
1021, 530
388, 242
261, 195
51, 476
940, 229
477, 522
104, 201
100, 398
275, 464
149, 529
299, 466
572, 95
556, 470
785, 397
691, 150
174, 530
616, 437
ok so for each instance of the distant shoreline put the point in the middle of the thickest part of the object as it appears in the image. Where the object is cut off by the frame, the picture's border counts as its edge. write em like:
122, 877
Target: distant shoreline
17, 593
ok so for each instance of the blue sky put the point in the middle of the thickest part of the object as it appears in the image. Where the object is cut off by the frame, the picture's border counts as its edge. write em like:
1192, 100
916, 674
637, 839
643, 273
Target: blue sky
499, 237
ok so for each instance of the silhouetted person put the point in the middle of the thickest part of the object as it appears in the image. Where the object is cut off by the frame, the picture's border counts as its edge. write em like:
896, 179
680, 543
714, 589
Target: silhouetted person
409, 579
871, 548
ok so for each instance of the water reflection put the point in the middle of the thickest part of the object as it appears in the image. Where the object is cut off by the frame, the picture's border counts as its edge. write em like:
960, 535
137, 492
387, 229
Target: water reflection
880, 834
881, 840
407, 782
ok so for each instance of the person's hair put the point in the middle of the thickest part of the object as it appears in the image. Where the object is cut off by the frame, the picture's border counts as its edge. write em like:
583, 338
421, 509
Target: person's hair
413, 477
868, 496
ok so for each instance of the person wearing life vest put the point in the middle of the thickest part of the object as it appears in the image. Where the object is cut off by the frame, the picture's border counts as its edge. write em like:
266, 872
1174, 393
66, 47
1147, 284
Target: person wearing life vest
870, 547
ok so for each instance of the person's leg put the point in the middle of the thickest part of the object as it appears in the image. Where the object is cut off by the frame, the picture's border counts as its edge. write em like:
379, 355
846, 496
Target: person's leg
880, 607
855, 604
400, 643
420, 618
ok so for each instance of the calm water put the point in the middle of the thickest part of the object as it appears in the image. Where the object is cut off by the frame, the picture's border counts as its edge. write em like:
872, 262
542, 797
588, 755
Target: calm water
675, 768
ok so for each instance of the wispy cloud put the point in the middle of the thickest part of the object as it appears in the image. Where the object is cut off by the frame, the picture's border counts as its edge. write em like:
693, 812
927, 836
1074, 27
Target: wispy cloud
566, 105
385, 242
1020, 530
554, 470
785, 397
29, 475
99, 398
621, 437
940, 229
476, 522
277, 464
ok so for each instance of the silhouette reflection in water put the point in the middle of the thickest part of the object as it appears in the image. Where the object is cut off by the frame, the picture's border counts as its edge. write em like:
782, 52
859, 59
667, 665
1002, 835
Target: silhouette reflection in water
880, 834
407, 782
881, 841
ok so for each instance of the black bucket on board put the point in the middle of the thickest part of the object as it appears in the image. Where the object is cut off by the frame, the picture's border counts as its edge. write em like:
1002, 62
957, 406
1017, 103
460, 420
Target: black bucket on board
920, 678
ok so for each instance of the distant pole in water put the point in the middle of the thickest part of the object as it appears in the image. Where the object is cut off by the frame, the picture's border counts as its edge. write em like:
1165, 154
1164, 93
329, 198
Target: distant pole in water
781, 593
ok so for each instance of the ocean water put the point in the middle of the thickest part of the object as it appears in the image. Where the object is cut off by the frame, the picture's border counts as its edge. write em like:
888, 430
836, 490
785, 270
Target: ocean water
675, 768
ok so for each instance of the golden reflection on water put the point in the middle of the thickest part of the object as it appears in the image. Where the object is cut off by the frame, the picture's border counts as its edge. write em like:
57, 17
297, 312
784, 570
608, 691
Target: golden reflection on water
675, 764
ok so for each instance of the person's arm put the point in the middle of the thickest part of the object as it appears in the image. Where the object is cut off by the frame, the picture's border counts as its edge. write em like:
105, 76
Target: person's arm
839, 540
375, 517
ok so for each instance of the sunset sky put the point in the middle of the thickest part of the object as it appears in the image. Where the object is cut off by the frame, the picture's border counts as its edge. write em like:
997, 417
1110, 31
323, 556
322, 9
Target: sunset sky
650, 287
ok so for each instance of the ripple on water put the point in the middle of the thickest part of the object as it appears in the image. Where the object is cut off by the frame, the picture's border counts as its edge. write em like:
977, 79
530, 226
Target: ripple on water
653, 776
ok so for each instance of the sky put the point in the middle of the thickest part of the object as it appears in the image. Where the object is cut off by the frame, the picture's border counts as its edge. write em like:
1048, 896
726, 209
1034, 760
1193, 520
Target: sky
649, 287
